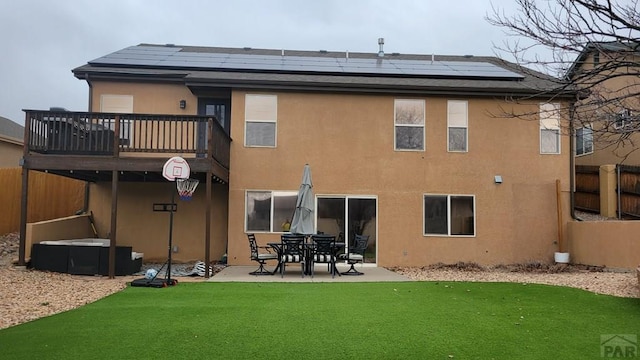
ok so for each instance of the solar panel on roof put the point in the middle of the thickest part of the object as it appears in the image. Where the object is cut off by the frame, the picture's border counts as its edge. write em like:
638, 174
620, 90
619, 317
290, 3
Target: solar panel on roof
176, 58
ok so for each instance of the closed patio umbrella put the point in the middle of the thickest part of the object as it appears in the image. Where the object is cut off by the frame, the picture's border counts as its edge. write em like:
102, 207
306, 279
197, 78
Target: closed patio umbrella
302, 222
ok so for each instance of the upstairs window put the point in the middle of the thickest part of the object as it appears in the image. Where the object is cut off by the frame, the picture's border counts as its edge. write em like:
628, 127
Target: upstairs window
121, 104
623, 120
584, 140
550, 128
457, 125
260, 120
409, 125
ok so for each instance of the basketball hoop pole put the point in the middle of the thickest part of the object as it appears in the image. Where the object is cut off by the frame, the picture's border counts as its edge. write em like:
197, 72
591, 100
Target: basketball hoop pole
174, 168
173, 196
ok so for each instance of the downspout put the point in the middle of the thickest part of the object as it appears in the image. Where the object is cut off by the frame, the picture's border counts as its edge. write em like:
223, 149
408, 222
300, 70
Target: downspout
572, 165
90, 105
618, 191
85, 206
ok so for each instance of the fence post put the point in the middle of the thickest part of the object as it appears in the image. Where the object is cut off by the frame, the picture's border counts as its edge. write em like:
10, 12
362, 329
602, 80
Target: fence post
608, 200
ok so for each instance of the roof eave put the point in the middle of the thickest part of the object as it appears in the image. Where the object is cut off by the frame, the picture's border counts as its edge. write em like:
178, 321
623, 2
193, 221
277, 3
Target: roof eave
11, 140
193, 81
373, 88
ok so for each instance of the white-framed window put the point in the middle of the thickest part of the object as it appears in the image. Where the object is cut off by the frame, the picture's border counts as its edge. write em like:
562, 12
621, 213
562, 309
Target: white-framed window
584, 140
449, 215
267, 211
119, 104
457, 125
260, 115
550, 128
623, 120
409, 130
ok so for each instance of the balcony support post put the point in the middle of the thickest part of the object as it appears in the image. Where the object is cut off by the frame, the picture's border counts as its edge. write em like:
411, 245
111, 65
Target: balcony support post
114, 224
207, 236
24, 203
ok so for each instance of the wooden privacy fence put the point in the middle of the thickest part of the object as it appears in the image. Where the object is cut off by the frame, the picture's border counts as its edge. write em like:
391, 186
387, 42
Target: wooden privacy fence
587, 193
629, 191
50, 196
625, 187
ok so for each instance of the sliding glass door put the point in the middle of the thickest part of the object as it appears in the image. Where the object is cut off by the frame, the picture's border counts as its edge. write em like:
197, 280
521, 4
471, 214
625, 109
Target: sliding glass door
346, 216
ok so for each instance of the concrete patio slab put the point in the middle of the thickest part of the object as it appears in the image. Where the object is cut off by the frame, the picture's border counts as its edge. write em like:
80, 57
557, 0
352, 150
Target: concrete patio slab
293, 274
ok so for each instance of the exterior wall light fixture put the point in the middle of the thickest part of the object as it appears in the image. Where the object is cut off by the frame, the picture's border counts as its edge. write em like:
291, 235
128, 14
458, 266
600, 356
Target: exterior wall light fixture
183, 104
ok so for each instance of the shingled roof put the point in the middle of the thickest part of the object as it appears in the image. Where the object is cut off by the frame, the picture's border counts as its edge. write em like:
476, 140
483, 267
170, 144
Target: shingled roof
10, 130
202, 68
620, 47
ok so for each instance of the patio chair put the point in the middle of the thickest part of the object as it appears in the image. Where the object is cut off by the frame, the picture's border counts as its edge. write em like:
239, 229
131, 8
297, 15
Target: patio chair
324, 251
261, 258
355, 254
292, 251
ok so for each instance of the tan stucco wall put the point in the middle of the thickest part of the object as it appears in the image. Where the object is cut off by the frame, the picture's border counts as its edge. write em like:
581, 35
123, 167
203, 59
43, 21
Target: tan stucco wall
613, 244
349, 142
148, 98
147, 231
10, 154
71, 227
608, 193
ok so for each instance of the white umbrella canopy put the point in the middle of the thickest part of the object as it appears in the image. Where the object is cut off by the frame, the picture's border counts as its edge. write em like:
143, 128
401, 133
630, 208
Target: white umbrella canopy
302, 222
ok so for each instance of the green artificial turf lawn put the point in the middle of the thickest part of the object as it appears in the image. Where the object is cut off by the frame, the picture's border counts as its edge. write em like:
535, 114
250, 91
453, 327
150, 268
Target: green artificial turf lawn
408, 320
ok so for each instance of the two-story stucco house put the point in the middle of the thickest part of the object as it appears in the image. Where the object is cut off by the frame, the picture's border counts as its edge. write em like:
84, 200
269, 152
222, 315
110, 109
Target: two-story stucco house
607, 122
409, 149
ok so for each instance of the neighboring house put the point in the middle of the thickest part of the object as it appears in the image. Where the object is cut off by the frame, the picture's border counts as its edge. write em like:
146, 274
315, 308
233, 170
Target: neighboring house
409, 149
608, 121
11, 148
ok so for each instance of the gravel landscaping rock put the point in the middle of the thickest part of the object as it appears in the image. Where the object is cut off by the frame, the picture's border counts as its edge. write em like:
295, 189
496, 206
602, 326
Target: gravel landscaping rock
594, 279
27, 295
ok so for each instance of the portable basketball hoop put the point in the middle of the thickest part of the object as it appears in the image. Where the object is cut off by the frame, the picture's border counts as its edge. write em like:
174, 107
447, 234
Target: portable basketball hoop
175, 169
186, 187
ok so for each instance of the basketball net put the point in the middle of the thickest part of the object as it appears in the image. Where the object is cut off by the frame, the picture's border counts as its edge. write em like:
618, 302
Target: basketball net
186, 187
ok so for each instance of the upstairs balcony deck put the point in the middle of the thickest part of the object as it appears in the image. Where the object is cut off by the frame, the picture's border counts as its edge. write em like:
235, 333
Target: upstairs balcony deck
90, 145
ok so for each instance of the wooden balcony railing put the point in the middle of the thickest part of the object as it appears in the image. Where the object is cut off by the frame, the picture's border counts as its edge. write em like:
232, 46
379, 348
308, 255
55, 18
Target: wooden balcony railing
84, 133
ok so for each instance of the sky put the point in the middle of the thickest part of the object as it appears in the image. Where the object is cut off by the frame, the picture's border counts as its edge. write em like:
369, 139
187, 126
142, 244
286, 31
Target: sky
43, 40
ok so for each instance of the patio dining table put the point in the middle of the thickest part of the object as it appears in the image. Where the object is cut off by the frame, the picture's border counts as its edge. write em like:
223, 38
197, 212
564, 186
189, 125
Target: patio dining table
307, 250
277, 247
309, 246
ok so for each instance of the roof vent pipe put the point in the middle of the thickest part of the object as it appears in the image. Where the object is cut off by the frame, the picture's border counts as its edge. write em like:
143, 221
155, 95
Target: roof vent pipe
346, 54
381, 43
